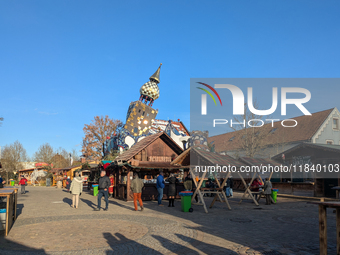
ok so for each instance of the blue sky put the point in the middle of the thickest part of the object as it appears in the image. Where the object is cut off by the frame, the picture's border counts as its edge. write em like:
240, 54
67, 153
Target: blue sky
64, 62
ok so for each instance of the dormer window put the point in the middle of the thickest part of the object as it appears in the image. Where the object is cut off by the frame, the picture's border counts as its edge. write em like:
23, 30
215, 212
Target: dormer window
335, 124
232, 138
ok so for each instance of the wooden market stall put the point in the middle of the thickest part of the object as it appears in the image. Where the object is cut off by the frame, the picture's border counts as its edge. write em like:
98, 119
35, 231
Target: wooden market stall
203, 163
27, 173
147, 158
323, 161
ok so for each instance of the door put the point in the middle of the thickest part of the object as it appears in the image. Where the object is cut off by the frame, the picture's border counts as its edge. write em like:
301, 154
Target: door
328, 185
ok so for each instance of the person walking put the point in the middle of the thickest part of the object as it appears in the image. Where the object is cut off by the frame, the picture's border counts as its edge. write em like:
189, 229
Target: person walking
172, 189
68, 183
136, 187
267, 190
76, 189
160, 187
103, 186
23, 183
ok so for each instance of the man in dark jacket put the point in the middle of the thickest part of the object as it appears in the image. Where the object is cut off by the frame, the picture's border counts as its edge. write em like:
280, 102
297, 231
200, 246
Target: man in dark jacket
103, 190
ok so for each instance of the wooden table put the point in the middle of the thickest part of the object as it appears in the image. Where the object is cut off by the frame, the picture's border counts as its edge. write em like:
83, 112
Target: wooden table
10, 197
15, 199
323, 225
219, 192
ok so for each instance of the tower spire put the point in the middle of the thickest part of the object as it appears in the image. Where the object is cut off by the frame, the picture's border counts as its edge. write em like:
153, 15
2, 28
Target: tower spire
155, 76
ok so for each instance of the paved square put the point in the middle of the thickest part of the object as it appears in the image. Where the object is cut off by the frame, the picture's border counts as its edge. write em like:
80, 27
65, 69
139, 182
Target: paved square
48, 225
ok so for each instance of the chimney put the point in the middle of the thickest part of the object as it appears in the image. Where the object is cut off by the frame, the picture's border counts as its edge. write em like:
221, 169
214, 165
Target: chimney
83, 160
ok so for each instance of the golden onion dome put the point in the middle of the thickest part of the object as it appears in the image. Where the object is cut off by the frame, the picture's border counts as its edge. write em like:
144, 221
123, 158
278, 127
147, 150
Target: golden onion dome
150, 89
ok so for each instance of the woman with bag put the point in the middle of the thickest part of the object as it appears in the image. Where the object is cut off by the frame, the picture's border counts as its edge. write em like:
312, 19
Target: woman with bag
76, 190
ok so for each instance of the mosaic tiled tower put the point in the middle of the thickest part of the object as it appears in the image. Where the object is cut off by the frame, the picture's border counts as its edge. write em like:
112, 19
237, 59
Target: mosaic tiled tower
140, 115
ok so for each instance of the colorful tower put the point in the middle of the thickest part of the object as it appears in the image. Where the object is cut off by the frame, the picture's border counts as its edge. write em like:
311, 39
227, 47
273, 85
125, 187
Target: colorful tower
140, 115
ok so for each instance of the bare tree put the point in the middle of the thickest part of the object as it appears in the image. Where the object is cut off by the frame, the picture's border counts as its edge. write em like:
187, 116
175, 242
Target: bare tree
252, 138
12, 157
44, 154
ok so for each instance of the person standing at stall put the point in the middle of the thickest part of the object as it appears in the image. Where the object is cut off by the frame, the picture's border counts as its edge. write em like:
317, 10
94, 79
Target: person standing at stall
103, 186
267, 191
172, 189
76, 189
23, 183
256, 187
136, 187
188, 182
229, 187
160, 187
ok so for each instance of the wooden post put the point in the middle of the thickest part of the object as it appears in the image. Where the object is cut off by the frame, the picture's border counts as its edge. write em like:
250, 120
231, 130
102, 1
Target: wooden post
7, 215
128, 183
323, 229
338, 231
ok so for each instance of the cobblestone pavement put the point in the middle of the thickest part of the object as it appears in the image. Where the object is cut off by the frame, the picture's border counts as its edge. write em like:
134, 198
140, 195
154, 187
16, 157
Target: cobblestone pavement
48, 225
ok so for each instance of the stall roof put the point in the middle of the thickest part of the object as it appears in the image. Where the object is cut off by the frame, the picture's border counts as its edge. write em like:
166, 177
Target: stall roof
210, 157
326, 147
135, 149
30, 169
153, 165
258, 161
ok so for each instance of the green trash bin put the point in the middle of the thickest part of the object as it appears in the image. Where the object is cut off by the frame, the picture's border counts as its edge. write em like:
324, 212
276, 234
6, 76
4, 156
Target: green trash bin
186, 200
274, 194
95, 189
12, 182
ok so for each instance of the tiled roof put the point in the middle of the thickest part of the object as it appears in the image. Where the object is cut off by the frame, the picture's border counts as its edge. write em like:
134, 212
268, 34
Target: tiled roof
304, 131
136, 148
160, 125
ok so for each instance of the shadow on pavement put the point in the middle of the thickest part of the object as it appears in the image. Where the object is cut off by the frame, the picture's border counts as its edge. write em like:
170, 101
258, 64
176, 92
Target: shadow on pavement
117, 240
89, 203
121, 205
10, 247
19, 209
210, 247
174, 247
67, 200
